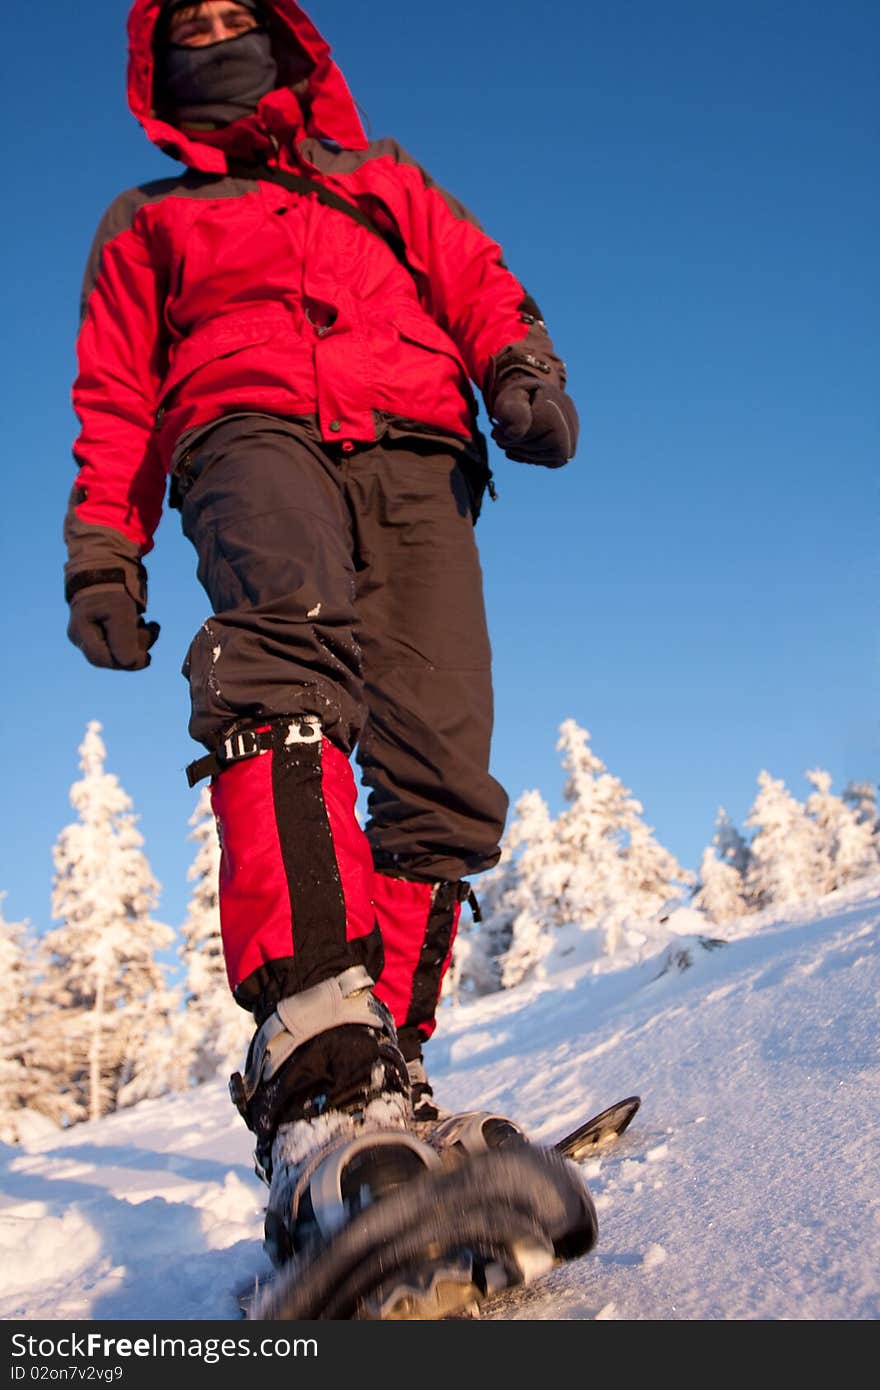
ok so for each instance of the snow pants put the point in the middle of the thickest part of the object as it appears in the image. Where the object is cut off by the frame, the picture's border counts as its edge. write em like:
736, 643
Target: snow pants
345, 584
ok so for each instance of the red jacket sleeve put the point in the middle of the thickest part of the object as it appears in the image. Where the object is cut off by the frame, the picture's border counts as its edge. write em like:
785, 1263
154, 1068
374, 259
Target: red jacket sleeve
121, 480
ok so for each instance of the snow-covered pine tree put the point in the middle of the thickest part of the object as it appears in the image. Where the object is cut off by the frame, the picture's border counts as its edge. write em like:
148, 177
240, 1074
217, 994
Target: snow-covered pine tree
790, 860
862, 796
528, 907
19, 1085
212, 1032
849, 837
592, 834
520, 902
153, 1065
597, 867
479, 945
731, 847
721, 882
618, 877
655, 879
108, 1020
720, 889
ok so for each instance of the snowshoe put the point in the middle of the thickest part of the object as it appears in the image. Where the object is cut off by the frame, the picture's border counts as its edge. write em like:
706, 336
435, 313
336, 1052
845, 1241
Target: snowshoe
384, 1227
599, 1131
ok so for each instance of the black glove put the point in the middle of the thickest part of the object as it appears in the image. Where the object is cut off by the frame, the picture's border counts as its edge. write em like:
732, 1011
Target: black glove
106, 625
106, 587
534, 421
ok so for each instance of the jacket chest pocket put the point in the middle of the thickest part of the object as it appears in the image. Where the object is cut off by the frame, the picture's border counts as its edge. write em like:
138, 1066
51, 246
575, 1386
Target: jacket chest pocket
421, 331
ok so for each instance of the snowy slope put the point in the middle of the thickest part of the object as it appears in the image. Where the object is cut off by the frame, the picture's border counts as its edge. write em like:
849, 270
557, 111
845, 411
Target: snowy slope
747, 1187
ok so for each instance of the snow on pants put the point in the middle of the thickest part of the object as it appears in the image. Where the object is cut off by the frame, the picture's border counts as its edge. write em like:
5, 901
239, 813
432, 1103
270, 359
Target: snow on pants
344, 585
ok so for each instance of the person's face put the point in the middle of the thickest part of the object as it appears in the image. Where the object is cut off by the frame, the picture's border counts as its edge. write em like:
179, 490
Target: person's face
212, 21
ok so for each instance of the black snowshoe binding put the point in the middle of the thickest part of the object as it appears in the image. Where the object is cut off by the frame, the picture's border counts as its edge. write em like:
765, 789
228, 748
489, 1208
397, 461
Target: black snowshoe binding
330, 1049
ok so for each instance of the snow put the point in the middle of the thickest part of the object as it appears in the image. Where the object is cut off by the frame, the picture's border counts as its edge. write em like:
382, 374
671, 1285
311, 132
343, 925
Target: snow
745, 1189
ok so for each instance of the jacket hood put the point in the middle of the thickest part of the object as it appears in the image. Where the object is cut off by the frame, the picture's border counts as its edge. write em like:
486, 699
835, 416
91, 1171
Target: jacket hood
329, 106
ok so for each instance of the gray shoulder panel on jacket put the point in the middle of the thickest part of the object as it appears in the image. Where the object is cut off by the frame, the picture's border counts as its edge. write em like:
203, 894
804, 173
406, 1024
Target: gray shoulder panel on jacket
330, 159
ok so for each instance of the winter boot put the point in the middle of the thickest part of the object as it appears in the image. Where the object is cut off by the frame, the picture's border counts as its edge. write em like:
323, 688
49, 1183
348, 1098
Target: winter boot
326, 1092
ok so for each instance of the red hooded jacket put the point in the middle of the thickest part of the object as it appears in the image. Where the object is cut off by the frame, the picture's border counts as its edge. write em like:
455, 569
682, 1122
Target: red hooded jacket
208, 294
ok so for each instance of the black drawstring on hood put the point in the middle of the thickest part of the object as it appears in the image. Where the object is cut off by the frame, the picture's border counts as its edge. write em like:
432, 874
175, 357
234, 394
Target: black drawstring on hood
216, 83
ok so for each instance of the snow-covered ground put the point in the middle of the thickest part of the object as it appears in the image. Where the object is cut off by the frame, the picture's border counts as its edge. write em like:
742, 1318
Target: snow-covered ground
747, 1187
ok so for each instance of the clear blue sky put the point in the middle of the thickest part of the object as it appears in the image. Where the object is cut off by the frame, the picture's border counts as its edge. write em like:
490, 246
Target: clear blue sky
689, 191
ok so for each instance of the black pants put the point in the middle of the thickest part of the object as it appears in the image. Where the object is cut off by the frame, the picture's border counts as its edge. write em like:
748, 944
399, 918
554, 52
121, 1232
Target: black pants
349, 586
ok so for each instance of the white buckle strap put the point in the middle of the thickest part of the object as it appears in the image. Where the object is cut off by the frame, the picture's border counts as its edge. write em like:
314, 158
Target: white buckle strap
347, 998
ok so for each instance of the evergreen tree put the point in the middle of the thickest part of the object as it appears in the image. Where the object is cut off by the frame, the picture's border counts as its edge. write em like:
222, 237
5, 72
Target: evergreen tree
19, 1088
790, 859
849, 839
862, 797
597, 867
106, 987
654, 876
479, 945
153, 1065
617, 872
213, 1032
529, 907
720, 889
730, 846
721, 881
593, 833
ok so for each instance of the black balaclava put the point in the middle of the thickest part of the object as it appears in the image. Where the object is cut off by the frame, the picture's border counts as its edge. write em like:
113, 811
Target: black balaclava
216, 83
